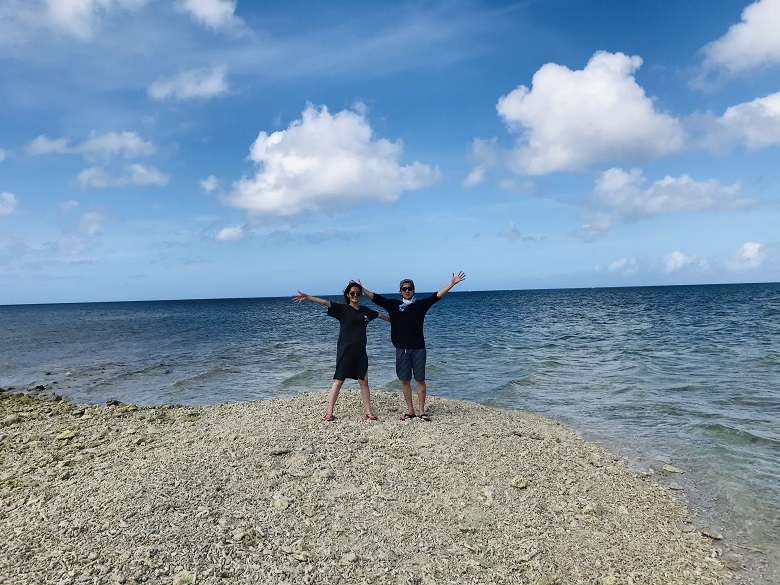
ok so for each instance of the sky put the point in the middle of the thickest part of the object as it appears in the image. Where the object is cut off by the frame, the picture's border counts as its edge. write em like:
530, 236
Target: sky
178, 149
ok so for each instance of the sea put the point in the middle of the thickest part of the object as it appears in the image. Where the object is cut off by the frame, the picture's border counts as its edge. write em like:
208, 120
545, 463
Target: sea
687, 376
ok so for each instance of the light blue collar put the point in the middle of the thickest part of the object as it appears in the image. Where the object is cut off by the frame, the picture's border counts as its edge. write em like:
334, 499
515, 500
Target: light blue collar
405, 303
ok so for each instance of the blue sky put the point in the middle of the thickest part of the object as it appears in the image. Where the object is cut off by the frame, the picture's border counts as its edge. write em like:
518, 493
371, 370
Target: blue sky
172, 149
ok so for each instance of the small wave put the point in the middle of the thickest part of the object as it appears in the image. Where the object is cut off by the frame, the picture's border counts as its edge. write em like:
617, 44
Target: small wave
302, 378
521, 383
737, 435
204, 377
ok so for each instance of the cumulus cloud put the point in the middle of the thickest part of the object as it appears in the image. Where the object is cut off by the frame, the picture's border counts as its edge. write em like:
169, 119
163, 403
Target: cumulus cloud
8, 203
751, 255
103, 147
570, 119
125, 144
215, 14
209, 183
69, 205
91, 222
753, 42
135, 174
510, 232
488, 155
190, 85
676, 260
620, 197
624, 266
323, 162
80, 18
230, 234
755, 124
97, 146
45, 145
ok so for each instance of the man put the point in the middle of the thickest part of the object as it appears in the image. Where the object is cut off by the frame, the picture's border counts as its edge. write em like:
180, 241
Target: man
406, 332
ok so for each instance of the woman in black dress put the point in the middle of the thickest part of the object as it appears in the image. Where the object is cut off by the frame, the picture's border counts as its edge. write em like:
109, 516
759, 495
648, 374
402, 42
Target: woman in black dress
351, 356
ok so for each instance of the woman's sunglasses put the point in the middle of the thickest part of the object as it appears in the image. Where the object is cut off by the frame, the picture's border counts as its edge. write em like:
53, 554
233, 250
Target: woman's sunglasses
407, 289
355, 293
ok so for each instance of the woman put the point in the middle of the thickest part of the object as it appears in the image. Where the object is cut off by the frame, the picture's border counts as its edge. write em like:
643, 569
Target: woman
351, 356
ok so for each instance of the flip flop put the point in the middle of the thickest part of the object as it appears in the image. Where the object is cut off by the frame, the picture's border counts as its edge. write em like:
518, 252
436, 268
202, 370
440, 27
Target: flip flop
424, 417
407, 416
371, 417
329, 418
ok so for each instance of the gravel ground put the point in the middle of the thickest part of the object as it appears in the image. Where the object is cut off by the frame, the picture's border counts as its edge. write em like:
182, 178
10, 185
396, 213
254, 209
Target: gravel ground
267, 492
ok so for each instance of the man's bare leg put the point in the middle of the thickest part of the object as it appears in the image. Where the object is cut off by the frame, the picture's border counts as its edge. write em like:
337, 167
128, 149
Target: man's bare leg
406, 388
422, 392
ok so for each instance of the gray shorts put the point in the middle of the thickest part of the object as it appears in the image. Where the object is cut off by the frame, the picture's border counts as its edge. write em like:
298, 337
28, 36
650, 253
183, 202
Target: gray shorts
410, 363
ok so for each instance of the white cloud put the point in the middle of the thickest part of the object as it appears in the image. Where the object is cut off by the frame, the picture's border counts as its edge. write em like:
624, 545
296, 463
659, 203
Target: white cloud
95, 177
624, 266
80, 18
126, 144
510, 232
230, 234
676, 260
570, 119
620, 197
45, 145
488, 154
475, 176
143, 175
91, 222
8, 203
97, 146
70, 245
751, 255
209, 183
323, 162
752, 42
188, 85
216, 14
134, 175
66, 206
3, 154
756, 124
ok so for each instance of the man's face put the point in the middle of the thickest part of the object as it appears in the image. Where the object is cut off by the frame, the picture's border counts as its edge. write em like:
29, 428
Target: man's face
407, 291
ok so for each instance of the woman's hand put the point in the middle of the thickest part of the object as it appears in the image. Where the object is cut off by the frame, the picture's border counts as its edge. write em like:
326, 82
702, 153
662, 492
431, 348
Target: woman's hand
300, 297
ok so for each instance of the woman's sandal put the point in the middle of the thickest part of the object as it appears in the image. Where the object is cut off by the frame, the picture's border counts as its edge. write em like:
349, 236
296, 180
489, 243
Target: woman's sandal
371, 417
329, 418
424, 417
407, 416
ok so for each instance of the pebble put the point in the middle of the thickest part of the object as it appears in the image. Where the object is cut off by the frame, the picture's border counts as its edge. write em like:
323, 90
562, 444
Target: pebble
267, 492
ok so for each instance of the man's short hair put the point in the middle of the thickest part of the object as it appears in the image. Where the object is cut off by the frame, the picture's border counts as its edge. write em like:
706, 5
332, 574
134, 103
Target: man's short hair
408, 281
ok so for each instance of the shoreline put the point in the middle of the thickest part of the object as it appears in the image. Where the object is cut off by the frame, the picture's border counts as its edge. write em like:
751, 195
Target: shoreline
243, 493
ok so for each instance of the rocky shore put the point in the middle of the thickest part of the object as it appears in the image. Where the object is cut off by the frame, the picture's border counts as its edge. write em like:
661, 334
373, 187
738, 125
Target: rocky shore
266, 492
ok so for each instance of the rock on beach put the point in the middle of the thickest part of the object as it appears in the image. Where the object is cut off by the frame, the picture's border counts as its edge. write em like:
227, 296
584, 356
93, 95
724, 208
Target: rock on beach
267, 492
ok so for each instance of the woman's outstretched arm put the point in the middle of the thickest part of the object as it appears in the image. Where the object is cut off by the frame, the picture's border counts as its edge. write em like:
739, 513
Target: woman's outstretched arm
301, 296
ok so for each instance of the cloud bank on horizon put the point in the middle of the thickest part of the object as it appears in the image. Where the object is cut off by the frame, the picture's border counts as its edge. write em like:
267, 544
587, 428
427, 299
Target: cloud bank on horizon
222, 148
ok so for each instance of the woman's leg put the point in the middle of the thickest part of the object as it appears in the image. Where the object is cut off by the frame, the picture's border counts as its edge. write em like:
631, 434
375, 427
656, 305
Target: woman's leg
365, 394
334, 394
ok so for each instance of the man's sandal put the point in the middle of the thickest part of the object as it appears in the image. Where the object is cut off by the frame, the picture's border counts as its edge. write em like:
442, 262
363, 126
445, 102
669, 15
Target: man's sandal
407, 416
424, 417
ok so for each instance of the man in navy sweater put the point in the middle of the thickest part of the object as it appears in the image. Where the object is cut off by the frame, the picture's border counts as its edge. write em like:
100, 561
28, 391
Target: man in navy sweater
406, 332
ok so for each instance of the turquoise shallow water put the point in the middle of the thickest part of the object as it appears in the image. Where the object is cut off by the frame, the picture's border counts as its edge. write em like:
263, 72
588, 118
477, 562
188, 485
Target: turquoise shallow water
685, 375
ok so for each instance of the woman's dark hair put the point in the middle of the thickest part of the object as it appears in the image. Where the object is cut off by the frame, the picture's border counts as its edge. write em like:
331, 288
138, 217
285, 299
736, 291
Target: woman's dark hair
352, 284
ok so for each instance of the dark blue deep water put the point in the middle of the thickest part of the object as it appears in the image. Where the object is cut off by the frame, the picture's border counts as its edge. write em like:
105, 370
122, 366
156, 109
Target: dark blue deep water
688, 375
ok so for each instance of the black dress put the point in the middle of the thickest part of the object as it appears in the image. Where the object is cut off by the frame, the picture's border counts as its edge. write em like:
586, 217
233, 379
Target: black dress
351, 356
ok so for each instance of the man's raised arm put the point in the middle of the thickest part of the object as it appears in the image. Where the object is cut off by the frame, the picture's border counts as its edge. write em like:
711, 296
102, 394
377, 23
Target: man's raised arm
456, 278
